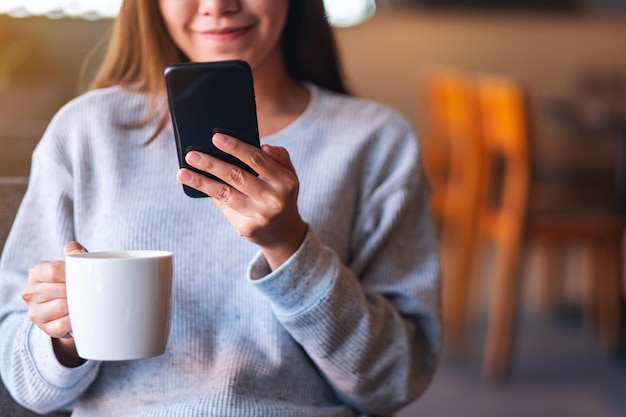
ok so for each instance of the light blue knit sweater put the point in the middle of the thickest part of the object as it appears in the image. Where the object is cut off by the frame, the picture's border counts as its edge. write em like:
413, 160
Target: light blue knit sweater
348, 326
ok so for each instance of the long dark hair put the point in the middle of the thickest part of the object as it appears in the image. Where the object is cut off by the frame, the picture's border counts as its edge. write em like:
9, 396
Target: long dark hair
309, 48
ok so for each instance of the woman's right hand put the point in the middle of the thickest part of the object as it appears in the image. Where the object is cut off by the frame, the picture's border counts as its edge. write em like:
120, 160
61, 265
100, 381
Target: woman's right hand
45, 297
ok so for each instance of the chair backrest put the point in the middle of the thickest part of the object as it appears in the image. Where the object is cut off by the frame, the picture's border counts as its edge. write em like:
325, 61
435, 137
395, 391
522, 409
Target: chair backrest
505, 132
452, 128
466, 152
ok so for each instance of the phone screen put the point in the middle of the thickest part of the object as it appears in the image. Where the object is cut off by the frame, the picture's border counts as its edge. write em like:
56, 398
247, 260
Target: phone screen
210, 97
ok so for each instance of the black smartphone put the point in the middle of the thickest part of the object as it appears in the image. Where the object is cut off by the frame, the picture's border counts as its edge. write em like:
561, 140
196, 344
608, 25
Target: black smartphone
205, 98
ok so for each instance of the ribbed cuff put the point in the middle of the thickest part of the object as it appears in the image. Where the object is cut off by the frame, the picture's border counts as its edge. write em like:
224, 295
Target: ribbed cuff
301, 282
49, 367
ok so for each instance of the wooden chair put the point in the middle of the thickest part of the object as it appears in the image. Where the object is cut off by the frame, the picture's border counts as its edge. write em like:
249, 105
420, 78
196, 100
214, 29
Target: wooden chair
506, 218
453, 159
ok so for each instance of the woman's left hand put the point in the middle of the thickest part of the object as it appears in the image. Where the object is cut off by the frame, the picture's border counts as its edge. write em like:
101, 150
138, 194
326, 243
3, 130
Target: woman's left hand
263, 209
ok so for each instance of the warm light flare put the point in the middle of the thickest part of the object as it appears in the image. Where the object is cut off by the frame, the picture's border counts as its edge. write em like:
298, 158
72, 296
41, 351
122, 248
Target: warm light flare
340, 13
344, 13
61, 8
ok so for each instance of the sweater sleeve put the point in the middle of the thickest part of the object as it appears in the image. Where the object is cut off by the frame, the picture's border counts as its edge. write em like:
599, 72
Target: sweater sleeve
43, 224
371, 326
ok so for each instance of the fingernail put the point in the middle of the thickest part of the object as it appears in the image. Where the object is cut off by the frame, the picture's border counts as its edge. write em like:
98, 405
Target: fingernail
184, 175
74, 251
219, 139
193, 157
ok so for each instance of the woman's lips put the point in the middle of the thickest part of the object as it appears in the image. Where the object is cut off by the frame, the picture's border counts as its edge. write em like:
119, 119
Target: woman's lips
225, 34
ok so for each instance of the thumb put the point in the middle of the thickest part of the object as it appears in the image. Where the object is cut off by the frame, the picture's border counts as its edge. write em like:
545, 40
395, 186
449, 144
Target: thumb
73, 247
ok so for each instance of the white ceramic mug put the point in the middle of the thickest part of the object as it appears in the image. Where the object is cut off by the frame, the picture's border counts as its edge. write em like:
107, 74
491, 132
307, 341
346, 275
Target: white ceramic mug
120, 303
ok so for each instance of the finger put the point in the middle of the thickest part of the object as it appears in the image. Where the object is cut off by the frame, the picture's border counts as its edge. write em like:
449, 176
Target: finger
52, 311
231, 174
280, 155
73, 247
272, 163
43, 292
48, 271
209, 186
252, 156
59, 329
233, 191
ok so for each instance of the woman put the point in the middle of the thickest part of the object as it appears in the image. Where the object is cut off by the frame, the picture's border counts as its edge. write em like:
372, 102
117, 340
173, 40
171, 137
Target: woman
311, 290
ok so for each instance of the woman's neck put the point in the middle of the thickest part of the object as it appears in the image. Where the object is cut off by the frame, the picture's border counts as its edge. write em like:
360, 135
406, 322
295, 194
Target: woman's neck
279, 99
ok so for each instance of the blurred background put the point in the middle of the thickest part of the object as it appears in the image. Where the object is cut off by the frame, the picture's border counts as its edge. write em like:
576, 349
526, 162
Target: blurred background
520, 106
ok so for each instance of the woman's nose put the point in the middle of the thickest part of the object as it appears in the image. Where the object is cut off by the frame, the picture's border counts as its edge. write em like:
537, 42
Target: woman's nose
218, 7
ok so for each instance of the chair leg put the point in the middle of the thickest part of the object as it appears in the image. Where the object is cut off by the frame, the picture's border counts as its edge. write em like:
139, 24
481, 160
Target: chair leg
590, 292
503, 309
623, 266
458, 277
608, 275
550, 264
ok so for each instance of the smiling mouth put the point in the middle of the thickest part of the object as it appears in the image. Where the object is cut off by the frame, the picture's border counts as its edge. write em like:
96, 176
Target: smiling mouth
225, 34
